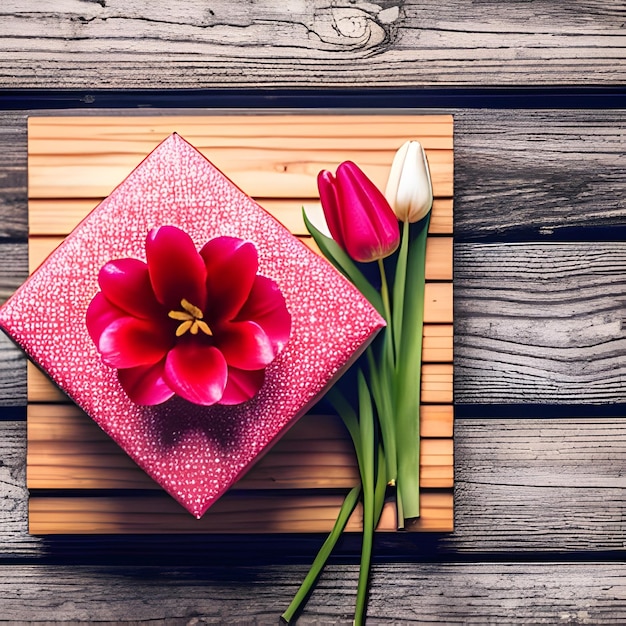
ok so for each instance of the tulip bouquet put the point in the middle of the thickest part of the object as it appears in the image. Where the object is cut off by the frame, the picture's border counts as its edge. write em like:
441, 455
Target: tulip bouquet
367, 230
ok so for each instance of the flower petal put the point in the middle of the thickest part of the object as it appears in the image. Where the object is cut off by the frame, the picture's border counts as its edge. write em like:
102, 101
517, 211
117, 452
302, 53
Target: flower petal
327, 186
245, 345
176, 269
266, 306
231, 267
100, 314
372, 231
126, 283
145, 384
242, 385
196, 372
129, 342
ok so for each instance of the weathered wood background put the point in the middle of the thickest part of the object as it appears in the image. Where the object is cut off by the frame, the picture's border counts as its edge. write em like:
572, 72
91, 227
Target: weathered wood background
540, 298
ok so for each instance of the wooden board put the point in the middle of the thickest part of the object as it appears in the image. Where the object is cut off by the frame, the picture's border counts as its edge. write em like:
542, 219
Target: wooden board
79, 480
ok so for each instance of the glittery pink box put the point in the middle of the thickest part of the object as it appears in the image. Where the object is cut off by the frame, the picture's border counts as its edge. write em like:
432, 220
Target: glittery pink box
194, 452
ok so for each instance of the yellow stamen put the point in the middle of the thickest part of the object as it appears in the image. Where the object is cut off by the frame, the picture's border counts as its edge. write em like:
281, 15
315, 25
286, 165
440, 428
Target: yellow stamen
191, 318
184, 327
180, 315
204, 327
190, 308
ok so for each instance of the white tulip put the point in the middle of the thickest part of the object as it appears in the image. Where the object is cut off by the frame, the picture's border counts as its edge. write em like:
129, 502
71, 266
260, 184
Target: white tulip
409, 188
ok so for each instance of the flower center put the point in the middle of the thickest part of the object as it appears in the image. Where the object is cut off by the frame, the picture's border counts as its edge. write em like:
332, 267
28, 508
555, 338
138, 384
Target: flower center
190, 318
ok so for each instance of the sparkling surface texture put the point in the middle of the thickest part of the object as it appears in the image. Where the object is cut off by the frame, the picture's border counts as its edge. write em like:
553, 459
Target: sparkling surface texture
194, 452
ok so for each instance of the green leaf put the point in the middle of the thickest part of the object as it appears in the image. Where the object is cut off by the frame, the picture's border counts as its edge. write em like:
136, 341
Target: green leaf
340, 259
381, 485
381, 383
408, 377
368, 473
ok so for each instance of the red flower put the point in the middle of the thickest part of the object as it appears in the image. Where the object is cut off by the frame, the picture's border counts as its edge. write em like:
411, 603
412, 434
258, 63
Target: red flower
357, 213
202, 325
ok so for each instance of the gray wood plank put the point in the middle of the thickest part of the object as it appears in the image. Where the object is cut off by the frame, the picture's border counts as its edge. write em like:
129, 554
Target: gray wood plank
540, 323
522, 486
13, 271
449, 593
13, 176
539, 174
265, 44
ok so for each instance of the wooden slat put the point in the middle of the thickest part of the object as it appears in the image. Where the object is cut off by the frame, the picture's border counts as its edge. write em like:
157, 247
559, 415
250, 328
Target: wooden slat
65, 447
73, 164
231, 514
58, 216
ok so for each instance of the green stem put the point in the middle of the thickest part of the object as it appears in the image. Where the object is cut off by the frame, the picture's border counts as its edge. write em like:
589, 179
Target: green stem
384, 290
399, 288
340, 259
381, 391
383, 385
388, 338
368, 479
347, 508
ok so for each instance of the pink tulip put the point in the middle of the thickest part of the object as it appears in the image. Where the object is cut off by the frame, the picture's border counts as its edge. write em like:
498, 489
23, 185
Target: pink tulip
201, 325
357, 213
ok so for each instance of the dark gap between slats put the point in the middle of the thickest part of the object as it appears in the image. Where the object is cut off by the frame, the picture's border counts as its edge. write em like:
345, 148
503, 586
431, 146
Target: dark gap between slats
592, 97
538, 411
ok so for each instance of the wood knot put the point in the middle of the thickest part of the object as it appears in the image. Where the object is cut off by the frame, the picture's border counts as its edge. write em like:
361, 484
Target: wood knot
363, 26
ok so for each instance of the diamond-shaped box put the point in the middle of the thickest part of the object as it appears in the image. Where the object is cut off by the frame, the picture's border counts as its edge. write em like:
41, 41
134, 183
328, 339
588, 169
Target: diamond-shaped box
195, 453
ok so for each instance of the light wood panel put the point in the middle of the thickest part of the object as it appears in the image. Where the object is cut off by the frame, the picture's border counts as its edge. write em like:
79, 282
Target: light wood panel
267, 156
297, 486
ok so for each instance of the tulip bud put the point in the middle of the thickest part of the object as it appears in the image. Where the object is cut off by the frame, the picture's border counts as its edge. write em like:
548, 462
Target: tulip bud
357, 213
409, 189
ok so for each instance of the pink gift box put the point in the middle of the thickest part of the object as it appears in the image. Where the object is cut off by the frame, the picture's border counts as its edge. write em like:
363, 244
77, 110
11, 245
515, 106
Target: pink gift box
195, 453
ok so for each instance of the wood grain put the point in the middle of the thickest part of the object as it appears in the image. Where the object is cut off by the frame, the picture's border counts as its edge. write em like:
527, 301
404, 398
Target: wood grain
405, 43
263, 514
532, 175
540, 322
13, 176
519, 174
438, 257
443, 593
13, 271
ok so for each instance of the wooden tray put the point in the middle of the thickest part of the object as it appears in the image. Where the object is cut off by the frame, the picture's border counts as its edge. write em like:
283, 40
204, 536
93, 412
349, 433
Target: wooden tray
79, 480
